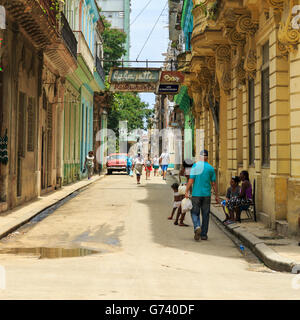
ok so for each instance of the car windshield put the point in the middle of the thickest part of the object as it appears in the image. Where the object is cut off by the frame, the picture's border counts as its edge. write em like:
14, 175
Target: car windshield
118, 157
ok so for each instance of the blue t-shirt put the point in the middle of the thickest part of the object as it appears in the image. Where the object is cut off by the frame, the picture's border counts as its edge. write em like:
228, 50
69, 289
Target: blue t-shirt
129, 162
203, 174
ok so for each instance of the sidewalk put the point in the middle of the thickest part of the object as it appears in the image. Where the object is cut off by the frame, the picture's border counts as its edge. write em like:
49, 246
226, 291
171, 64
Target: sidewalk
277, 252
13, 219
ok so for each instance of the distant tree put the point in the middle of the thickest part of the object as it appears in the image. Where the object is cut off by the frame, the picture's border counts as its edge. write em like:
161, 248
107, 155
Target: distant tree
129, 107
113, 46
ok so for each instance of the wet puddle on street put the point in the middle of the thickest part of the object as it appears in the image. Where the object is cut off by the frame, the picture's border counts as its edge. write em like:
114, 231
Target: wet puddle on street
50, 253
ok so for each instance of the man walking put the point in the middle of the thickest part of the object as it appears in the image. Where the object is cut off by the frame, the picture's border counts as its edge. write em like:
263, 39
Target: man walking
164, 160
202, 178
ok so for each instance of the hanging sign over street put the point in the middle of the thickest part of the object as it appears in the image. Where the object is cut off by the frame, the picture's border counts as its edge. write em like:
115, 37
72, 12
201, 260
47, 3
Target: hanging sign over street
171, 77
168, 88
134, 75
133, 87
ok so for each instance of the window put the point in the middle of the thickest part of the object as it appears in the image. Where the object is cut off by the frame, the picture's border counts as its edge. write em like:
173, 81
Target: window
22, 124
31, 125
251, 123
265, 106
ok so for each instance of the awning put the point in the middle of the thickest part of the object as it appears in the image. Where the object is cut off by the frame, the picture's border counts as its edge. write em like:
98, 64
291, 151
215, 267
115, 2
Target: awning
183, 99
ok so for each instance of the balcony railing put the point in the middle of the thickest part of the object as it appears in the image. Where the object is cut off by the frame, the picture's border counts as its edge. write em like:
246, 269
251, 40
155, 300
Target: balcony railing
100, 69
84, 50
68, 36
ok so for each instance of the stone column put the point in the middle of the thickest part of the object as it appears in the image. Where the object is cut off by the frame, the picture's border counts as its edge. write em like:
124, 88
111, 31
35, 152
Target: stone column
293, 207
279, 127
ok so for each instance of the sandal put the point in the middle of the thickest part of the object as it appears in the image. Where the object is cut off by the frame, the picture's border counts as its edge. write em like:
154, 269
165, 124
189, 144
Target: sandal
181, 224
176, 223
170, 218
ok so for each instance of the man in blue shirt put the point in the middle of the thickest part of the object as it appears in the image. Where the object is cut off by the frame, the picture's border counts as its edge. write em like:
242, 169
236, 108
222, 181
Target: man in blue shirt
202, 178
129, 164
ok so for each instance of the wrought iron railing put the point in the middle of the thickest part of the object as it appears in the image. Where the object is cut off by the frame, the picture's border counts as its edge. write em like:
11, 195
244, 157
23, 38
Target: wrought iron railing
100, 69
68, 36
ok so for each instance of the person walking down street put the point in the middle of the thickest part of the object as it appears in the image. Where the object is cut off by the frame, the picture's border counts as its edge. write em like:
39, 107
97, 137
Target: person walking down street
202, 179
184, 176
164, 161
138, 165
155, 165
177, 201
89, 164
129, 164
148, 167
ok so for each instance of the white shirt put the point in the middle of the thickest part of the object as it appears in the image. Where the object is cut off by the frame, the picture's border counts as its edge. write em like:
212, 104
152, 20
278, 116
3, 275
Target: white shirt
165, 159
156, 161
138, 160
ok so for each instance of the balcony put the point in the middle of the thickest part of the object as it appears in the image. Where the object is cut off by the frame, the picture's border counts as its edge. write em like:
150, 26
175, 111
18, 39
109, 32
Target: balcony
36, 18
68, 36
100, 69
84, 50
48, 7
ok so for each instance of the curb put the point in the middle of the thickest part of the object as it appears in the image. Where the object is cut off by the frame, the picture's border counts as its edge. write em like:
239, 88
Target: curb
266, 254
5, 230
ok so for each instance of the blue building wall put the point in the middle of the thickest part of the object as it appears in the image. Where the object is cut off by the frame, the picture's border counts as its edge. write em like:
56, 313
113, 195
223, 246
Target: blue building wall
187, 23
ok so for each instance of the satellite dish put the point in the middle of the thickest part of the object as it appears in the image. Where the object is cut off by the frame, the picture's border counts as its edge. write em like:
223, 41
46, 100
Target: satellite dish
2, 18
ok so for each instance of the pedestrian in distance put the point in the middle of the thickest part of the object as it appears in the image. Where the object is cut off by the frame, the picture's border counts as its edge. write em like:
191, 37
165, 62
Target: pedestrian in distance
155, 165
129, 164
148, 167
202, 179
89, 164
177, 201
138, 165
164, 162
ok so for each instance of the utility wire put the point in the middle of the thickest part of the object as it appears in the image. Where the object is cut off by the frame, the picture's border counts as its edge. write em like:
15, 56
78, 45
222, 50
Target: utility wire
134, 20
152, 29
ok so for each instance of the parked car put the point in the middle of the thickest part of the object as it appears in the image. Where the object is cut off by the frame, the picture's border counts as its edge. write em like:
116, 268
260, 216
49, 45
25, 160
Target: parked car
116, 162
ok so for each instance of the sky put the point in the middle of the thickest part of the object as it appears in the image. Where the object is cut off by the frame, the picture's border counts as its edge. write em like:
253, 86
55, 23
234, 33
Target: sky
140, 29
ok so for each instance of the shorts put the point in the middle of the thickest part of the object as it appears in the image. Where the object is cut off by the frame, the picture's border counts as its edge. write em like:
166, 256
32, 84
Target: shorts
164, 167
155, 167
176, 204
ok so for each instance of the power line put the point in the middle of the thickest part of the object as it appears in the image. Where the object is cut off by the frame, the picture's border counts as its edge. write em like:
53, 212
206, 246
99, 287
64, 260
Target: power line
152, 29
140, 13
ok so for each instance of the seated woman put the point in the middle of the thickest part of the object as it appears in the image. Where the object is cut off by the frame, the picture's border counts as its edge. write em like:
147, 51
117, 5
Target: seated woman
245, 195
232, 192
243, 201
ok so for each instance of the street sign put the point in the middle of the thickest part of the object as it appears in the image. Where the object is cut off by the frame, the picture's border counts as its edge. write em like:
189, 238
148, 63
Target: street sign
168, 88
134, 75
171, 77
133, 87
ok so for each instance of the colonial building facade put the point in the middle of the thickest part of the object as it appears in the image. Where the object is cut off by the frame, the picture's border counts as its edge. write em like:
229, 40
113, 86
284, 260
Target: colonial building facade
49, 72
243, 74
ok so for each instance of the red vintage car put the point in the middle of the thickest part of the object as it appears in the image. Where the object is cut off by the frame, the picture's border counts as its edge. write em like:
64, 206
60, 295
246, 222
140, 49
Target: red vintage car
116, 162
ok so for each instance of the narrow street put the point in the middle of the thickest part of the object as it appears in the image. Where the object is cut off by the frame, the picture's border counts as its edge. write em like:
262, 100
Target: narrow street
140, 254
